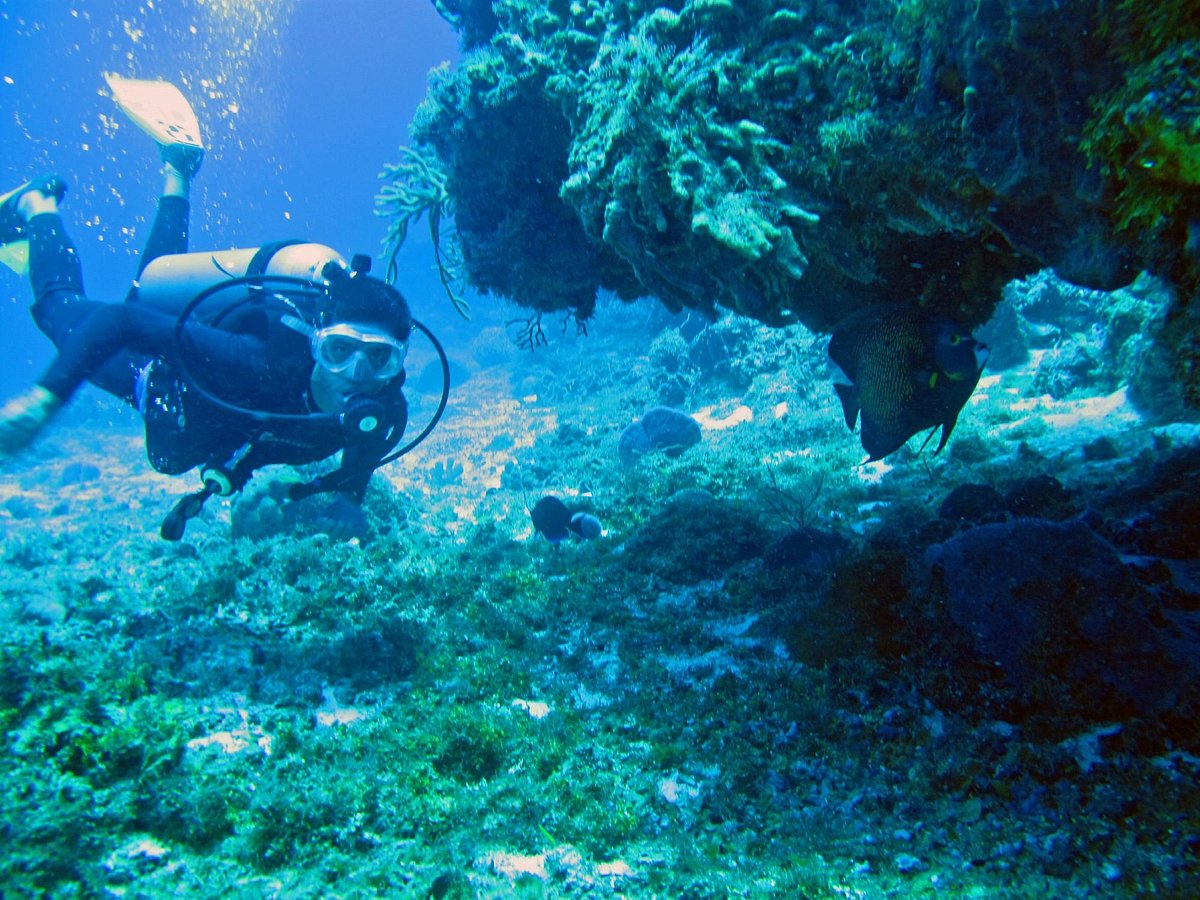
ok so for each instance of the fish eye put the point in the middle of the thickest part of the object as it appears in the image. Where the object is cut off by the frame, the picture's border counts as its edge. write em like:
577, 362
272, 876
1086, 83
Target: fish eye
955, 339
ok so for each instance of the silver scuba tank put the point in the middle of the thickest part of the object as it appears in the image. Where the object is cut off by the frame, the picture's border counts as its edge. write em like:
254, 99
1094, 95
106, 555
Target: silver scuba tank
171, 282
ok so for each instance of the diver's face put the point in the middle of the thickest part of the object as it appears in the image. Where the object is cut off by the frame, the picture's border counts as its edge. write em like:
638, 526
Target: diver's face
332, 391
358, 351
352, 360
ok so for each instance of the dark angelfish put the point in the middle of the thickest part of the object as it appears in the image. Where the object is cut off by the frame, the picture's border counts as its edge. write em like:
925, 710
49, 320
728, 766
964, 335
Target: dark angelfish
551, 519
555, 521
906, 371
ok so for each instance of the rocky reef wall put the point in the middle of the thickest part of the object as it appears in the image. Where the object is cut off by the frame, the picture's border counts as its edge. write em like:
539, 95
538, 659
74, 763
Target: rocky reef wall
793, 160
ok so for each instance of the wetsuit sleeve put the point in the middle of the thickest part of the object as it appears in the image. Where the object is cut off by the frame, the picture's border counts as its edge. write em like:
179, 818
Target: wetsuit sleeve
358, 464
350, 478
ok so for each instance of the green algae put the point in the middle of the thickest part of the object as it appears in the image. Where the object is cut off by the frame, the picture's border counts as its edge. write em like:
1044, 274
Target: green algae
445, 770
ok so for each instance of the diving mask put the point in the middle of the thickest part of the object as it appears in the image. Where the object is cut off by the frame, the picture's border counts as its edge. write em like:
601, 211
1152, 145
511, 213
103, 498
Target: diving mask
346, 349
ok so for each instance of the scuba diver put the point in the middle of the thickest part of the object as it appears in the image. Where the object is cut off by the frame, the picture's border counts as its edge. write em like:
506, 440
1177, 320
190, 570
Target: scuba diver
236, 360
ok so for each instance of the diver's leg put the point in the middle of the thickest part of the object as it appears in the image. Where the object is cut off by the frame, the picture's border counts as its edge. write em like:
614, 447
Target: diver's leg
90, 336
120, 375
54, 266
169, 233
59, 306
23, 417
56, 276
110, 332
86, 333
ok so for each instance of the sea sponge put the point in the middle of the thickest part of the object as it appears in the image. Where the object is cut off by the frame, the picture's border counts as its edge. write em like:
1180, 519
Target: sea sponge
661, 428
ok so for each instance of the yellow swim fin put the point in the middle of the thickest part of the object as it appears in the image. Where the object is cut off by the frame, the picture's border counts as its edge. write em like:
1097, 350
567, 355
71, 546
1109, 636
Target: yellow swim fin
158, 108
14, 254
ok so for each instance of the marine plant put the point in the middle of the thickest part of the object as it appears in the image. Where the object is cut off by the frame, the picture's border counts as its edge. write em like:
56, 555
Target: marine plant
796, 500
1144, 135
417, 187
670, 710
1144, 132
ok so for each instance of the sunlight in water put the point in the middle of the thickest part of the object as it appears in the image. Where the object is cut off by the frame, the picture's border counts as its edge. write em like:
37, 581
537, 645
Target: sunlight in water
225, 51
225, 56
235, 35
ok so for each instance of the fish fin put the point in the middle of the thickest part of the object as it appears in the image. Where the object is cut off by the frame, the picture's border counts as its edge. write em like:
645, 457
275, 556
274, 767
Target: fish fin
925, 378
877, 443
840, 351
848, 394
947, 427
837, 373
928, 438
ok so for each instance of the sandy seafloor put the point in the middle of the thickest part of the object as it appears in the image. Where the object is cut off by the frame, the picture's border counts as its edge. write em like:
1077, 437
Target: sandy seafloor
454, 707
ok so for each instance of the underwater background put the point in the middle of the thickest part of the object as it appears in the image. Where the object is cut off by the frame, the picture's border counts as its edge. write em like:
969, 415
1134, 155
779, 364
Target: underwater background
294, 143
752, 665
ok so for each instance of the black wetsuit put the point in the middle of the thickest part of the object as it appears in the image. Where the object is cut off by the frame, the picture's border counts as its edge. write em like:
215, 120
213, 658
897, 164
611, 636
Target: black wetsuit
252, 361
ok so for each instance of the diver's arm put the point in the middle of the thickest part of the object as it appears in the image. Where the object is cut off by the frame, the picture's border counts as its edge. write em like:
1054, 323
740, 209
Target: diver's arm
114, 328
227, 356
349, 479
358, 465
360, 459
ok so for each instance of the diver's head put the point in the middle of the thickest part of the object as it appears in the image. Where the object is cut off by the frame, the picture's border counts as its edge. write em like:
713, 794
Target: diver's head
362, 345
354, 296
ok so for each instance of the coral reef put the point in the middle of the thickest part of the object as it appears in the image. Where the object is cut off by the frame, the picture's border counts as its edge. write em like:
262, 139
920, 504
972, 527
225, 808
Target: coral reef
1062, 615
1145, 132
659, 429
794, 161
749, 684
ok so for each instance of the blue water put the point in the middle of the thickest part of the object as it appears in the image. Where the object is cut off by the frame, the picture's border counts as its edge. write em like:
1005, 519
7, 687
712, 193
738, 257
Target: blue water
301, 101
771, 671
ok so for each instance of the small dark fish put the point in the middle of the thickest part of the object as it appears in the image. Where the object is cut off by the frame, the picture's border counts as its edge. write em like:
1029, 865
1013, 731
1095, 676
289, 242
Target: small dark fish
555, 521
551, 519
908, 371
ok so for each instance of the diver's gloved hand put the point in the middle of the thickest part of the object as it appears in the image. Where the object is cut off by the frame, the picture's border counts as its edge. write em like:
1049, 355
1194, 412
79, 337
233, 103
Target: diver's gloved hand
23, 417
183, 158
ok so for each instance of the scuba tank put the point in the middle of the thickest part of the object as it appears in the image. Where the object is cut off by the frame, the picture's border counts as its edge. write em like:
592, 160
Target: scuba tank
171, 282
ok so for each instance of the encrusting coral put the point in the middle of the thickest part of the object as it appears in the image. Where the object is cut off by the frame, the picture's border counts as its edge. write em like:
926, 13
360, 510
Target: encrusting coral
794, 161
